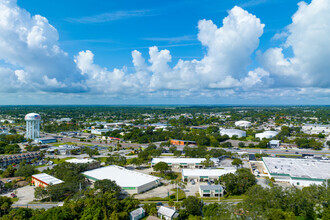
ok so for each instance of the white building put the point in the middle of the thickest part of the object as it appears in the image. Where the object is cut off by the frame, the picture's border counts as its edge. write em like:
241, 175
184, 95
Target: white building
137, 214
43, 180
232, 132
266, 134
100, 131
91, 163
298, 172
315, 129
62, 149
3, 130
32, 126
274, 143
130, 181
205, 174
243, 124
175, 162
211, 190
167, 213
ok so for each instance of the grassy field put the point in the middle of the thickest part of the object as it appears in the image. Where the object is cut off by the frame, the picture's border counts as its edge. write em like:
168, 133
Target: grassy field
62, 143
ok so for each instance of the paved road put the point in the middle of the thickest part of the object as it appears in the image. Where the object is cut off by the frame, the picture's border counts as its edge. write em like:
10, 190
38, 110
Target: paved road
248, 150
36, 206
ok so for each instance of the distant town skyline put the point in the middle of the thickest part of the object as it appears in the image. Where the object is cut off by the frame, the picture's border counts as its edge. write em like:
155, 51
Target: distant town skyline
256, 52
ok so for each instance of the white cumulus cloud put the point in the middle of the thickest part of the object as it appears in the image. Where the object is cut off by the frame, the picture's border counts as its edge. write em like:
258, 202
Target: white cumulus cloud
308, 38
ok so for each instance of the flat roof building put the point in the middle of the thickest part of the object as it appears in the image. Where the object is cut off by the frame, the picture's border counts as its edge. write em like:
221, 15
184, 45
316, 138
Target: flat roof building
274, 143
243, 124
91, 163
182, 142
298, 172
266, 134
130, 181
43, 180
176, 162
210, 190
232, 132
205, 174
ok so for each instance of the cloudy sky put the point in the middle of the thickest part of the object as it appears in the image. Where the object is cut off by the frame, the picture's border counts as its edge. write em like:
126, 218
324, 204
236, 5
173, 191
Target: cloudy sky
165, 52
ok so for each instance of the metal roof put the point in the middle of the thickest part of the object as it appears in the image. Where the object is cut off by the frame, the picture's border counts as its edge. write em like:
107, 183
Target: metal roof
122, 176
166, 211
176, 160
48, 179
211, 187
80, 161
137, 212
298, 168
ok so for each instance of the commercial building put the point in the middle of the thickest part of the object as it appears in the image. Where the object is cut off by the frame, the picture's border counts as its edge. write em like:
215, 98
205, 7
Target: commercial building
232, 132
298, 172
211, 190
274, 143
167, 213
62, 149
44, 180
183, 162
32, 126
315, 129
47, 140
200, 175
243, 124
100, 131
130, 181
182, 142
266, 134
91, 163
3, 130
137, 214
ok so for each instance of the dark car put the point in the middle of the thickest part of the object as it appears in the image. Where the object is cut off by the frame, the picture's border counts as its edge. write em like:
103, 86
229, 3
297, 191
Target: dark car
159, 204
13, 195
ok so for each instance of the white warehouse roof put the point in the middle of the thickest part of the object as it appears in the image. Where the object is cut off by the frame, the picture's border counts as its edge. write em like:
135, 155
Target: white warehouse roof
207, 172
48, 179
122, 176
232, 132
175, 160
80, 161
298, 168
243, 124
266, 134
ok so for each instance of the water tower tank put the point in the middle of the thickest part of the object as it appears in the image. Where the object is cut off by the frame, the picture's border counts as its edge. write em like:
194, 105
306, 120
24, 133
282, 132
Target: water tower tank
32, 126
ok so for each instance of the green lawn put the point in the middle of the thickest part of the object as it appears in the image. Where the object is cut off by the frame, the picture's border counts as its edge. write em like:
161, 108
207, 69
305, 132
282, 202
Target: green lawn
62, 143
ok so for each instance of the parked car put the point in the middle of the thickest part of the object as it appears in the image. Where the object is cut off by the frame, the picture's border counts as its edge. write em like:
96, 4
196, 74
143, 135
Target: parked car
159, 203
13, 195
192, 182
208, 182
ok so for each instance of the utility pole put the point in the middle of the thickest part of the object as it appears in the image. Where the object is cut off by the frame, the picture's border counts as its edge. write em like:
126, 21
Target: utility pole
177, 192
80, 190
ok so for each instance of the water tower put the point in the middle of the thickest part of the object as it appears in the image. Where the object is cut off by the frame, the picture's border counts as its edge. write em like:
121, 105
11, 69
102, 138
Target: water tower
32, 126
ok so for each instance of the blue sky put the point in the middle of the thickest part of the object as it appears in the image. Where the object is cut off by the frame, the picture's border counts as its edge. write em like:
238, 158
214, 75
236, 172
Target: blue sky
82, 53
167, 24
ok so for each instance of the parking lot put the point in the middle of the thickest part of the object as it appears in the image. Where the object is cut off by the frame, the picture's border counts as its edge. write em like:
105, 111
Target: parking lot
24, 194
